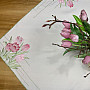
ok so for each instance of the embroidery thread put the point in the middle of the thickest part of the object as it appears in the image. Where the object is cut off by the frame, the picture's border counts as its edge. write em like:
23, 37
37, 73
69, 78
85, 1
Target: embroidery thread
14, 52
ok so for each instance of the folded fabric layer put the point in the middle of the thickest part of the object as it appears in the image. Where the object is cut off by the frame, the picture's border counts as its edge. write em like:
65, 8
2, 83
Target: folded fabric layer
27, 49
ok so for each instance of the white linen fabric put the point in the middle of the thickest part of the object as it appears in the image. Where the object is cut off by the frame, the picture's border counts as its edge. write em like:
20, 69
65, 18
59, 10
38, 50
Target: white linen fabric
47, 68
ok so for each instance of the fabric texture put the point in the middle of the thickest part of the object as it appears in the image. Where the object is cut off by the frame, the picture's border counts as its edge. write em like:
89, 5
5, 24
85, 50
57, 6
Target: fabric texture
42, 66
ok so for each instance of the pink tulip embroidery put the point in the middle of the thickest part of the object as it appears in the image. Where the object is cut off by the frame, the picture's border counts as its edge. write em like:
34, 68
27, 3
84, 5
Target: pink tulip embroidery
61, 1
19, 40
14, 47
14, 52
25, 47
19, 58
69, 3
7, 47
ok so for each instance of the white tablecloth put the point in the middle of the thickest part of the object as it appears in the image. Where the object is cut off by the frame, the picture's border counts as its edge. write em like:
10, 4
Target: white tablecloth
47, 68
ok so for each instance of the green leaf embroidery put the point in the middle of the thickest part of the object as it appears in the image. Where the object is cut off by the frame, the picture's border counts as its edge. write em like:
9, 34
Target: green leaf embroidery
10, 39
5, 42
26, 58
19, 53
3, 52
12, 62
9, 56
15, 66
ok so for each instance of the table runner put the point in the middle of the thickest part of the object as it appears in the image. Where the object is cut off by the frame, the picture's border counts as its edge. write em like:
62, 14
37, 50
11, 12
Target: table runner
43, 66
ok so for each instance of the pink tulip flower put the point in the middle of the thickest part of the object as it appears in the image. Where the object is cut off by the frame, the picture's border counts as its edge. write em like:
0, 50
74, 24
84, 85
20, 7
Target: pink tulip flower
65, 34
19, 40
8, 46
61, 1
74, 38
83, 16
19, 58
67, 25
86, 60
25, 47
70, 3
14, 47
66, 44
66, 30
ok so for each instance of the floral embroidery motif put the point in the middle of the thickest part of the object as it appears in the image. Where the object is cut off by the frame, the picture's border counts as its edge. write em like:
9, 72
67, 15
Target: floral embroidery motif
67, 2
13, 52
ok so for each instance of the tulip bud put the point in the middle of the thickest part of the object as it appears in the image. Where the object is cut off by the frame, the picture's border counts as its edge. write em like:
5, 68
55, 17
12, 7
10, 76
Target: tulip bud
61, 1
25, 47
86, 60
67, 25
70, 3
74, 38
19, 58
66, 44
65, 34
83, 16
66, 30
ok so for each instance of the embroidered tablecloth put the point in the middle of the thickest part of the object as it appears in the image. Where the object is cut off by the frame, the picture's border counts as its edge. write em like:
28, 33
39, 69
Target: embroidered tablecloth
27, 49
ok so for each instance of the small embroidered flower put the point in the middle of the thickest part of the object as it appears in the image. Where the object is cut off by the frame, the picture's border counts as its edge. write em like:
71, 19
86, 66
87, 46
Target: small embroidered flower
19, 58
7, 47
19, 40
25, 47
70, 3
61, 1
14, 47
67, 2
